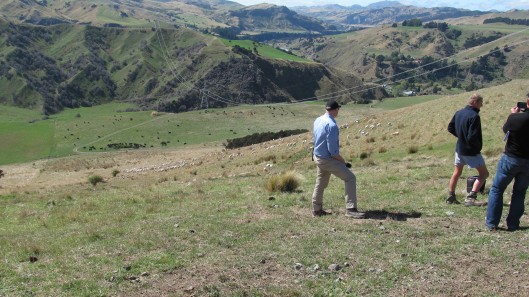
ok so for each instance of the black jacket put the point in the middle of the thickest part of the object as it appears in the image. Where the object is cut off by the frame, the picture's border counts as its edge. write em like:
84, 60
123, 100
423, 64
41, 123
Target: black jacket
517, 126
466, 126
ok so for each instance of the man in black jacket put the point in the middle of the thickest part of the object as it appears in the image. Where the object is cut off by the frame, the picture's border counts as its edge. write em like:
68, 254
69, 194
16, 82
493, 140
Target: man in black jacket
514, 164
466, 126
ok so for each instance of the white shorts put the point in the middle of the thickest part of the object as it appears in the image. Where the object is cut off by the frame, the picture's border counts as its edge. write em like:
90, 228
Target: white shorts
471, 161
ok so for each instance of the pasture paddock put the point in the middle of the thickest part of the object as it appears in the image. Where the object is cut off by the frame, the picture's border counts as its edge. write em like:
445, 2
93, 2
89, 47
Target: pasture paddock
197, 220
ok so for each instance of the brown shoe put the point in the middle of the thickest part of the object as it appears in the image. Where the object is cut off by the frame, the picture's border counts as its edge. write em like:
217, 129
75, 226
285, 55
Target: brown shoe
320, 213
451, 199
355, 214
474, 202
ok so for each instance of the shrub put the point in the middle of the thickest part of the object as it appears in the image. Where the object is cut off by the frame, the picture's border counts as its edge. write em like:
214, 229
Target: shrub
363, 155
95, 179
286, 182
413, 149
260, 137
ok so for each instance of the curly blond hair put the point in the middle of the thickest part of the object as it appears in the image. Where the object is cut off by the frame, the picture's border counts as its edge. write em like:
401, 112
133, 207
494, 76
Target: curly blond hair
475, 98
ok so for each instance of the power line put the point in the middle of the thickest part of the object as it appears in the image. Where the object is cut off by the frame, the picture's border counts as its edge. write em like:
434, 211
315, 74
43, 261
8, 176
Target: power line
172, 67
328, 95
363, 87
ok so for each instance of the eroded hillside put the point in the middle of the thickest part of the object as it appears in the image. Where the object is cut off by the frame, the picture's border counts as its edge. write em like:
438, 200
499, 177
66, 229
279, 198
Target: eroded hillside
167, 69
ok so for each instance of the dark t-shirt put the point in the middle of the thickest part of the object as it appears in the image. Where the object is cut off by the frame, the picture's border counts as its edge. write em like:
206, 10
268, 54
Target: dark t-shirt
517, 126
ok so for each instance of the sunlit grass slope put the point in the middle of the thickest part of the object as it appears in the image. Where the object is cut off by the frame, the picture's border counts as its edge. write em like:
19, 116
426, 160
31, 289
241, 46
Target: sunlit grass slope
198, 220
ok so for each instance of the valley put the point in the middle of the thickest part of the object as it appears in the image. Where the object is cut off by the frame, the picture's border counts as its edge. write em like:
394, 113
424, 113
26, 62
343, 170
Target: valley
114, 120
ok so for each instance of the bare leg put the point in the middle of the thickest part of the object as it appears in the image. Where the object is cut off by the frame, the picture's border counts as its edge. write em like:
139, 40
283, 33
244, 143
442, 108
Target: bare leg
483, 174
455, 177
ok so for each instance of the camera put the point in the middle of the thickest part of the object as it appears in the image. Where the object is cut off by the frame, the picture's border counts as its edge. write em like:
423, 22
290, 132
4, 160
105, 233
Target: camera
522, 106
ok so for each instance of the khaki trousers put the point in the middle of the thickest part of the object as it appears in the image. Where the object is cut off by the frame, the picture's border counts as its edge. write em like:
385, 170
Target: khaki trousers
326, 167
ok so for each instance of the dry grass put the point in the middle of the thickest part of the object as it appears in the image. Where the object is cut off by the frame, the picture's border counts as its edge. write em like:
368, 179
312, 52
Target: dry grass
286, 182
157, 230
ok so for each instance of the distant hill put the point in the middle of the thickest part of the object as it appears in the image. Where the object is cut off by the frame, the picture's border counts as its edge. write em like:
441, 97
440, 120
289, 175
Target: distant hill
199, 14
272, 18
169, 55
383, 4
390, 15
381, 13
405, 56
51, 68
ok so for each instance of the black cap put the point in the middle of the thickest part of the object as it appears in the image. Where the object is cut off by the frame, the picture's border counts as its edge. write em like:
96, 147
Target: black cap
331, 104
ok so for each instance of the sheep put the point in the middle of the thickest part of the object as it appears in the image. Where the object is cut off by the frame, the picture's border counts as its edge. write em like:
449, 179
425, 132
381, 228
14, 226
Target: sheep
268, 167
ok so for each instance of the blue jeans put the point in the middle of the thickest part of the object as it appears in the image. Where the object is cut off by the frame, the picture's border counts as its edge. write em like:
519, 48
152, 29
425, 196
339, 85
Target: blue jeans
509, 168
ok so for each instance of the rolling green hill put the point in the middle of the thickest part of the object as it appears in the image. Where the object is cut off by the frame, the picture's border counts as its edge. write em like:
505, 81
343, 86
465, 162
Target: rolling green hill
155, 55
66, 66
481, 55
202, 15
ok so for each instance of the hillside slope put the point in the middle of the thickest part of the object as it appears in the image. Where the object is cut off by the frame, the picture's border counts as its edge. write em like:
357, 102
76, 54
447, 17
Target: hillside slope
390, 134
480, 55
382, 13
202, 15
166, 69
200, 220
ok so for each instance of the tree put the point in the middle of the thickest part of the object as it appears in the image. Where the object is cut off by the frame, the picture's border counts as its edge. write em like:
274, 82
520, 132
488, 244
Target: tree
412, 23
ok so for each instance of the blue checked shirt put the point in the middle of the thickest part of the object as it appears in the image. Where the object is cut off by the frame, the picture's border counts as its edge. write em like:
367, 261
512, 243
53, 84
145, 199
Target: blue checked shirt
326, 137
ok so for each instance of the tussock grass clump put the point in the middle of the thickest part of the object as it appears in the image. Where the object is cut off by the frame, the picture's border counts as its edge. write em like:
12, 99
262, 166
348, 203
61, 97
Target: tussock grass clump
95, 179
162, 180
364, 155
368, 162
115, 172
413, 149
267, 158
286, 182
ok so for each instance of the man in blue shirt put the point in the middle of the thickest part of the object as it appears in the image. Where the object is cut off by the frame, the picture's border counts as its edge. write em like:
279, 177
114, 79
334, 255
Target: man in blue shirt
329, 161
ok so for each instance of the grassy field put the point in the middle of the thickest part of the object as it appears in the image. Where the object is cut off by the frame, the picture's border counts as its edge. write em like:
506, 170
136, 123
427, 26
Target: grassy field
198, 221
264, 50
93, 129
401, 102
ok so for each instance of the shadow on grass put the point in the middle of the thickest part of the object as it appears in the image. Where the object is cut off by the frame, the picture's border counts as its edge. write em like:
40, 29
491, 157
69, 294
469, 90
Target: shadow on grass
396, 216
510, 230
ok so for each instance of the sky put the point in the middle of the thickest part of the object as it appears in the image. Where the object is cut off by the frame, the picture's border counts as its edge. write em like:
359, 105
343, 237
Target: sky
483, 5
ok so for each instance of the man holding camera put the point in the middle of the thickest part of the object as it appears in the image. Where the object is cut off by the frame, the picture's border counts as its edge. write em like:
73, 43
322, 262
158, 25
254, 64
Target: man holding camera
328, 160
514, 164
466, 126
